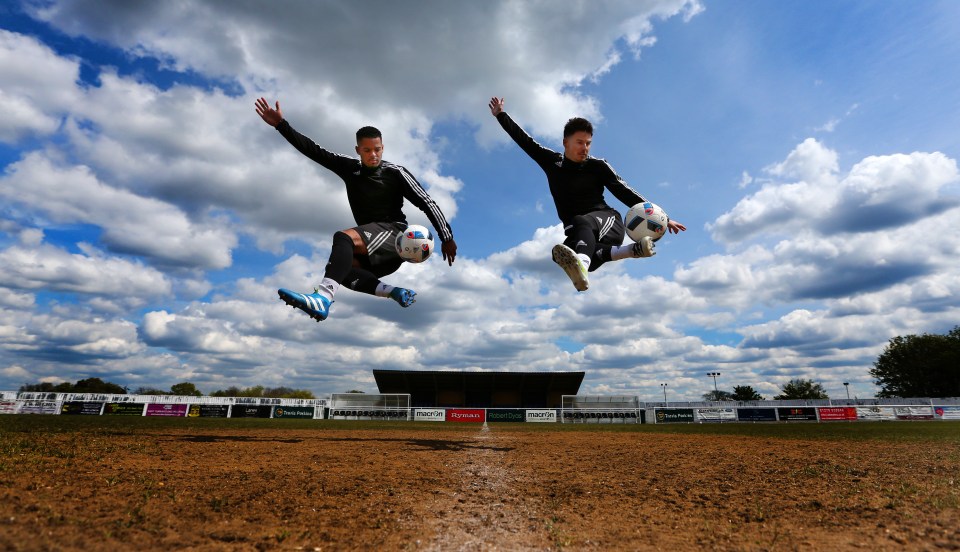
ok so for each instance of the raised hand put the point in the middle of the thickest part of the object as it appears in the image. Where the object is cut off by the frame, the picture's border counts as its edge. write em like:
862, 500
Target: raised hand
496, 106
269, 115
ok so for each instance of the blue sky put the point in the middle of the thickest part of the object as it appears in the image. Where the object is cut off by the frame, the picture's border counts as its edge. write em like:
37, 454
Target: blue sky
148, 215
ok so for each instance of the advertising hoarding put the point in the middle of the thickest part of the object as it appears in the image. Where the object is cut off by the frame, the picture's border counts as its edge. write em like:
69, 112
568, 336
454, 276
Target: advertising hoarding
429, 415
674, 415
506, 415
546, 415
123, 409
834, 413
875, 413
796, 413
87, 408
293, 412
947, 412
250, 411
466, 415
756, 415
716, 415
208, 411
168, 410
913, 412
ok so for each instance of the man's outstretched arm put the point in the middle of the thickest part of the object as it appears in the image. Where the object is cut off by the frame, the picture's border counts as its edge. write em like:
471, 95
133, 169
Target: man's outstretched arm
332, 161
530, 146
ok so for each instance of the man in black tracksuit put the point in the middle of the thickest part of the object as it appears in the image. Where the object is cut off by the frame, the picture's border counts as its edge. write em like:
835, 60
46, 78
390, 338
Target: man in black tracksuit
594, 230
360, 256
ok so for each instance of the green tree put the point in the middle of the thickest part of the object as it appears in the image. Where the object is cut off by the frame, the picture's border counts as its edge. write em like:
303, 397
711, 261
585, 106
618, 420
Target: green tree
288, 393
97, 385
48, 387
185, 389
89, 385
801, 389
149, 391
745, 393
926, 365
260, 391
718, 396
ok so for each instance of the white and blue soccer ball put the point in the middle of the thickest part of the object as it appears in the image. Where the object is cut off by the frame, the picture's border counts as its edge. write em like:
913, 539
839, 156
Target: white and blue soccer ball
415, 244
646, 220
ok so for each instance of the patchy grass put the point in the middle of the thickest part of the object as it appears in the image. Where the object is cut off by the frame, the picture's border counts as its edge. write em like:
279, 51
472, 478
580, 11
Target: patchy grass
13, 428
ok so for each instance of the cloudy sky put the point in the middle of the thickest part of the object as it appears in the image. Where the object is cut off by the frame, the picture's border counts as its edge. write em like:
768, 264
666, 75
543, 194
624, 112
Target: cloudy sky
147, 215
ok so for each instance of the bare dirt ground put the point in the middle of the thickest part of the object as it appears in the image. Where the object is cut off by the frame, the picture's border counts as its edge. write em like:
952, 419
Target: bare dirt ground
502, 488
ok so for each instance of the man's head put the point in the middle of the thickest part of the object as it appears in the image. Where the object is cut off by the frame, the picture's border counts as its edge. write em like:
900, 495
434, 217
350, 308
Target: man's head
577, 137
370, 146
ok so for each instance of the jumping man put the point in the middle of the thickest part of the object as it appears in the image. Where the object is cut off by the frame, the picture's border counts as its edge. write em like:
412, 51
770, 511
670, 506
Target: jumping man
361, 255
594, 230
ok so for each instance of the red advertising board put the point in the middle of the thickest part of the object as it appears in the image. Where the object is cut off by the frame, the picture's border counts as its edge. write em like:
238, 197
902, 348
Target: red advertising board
837, 413
466, 415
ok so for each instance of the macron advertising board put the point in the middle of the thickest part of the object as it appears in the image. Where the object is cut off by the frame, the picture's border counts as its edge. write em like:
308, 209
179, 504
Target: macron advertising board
429, 415
546, 415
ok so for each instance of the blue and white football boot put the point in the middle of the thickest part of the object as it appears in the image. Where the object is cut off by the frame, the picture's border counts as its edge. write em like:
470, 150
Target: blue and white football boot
315, 305
405, 297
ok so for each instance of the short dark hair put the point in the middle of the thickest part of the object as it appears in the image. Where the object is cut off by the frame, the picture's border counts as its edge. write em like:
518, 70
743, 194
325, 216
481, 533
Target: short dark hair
368, 132
577, 124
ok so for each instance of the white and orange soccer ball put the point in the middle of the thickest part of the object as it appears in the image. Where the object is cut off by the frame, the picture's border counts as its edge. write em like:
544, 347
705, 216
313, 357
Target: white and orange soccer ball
414, 244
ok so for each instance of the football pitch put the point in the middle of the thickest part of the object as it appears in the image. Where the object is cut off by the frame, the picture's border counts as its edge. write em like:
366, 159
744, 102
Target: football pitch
81, 483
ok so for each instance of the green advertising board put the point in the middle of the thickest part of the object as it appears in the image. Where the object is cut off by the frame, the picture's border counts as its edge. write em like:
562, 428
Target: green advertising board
506, 415
293, 412
674, 415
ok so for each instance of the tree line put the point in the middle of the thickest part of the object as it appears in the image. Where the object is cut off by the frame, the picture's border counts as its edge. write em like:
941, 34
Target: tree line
795, 389
926, 365
183, 389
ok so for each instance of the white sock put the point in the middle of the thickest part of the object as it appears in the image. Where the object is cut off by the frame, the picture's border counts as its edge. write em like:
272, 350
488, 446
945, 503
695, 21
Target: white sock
383, 290
620, 252
328, 288
585, 259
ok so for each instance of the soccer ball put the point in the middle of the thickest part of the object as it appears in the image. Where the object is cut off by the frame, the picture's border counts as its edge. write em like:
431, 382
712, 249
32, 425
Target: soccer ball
646, 220
414, 244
